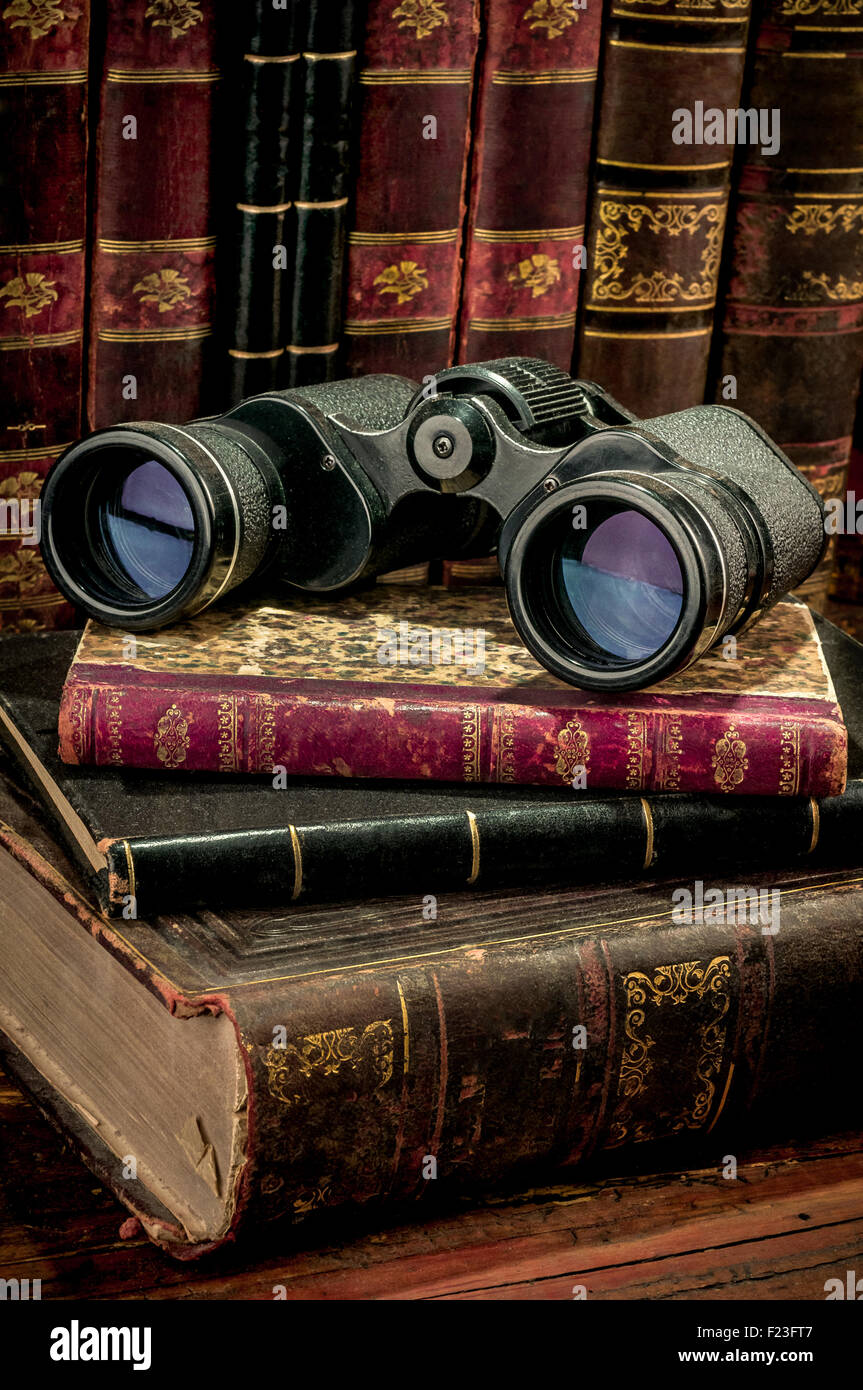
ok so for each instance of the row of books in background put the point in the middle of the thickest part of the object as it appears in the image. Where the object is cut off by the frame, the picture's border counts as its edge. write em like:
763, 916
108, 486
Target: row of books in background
284, 192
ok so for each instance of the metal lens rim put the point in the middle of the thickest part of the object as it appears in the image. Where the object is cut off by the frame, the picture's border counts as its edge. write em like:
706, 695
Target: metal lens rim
548, 630
76, 555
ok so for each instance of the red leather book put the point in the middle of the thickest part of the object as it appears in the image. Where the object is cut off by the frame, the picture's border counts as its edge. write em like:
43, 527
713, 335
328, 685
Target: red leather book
792, 330
525, 234
846, 583
153, 282
43, 225
659, 198
404, 260
422, 683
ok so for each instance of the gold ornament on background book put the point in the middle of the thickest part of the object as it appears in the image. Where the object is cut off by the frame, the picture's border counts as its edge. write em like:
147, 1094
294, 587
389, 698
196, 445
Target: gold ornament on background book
403, 280
810, 218
423, 16
39, 16
824, 7
23, 568
24, 485
178, 15
32, 292
699, 5
554, 16
729, 760
811, 288
618, 219
537, 272
166, 288
171, 739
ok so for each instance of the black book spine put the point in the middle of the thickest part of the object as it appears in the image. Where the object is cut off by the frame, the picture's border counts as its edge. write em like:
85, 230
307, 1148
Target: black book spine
262, 118
313, 320
572, 843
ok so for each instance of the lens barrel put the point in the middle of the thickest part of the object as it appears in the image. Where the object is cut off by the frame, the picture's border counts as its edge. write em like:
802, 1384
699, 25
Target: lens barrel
145, 525
639, 558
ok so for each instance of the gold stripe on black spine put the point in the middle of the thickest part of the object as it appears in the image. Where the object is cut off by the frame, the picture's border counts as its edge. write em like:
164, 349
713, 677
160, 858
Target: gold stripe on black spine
130, 864
255, 207
474, 842
298, 863
816, 823
406, 1029
269, 58
237, 352
648, 826
302, 351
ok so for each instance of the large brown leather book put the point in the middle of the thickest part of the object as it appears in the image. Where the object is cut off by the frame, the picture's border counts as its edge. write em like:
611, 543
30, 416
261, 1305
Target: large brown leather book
405, 249
659, 198
152, 295
44, 58
525, 235
230, 1069
791, 342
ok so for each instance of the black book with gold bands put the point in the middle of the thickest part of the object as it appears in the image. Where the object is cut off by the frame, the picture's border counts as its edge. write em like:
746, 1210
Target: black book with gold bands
164, 841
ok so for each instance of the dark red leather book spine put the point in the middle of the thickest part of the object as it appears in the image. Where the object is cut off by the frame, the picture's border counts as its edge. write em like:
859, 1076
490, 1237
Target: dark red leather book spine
404, 261
792, 329
846, 582
763, 745
43, 225
523, 249
153, 281
658, 207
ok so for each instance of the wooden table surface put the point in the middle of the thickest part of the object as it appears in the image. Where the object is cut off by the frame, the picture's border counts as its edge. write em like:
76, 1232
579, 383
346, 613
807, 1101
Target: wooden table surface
792, 1219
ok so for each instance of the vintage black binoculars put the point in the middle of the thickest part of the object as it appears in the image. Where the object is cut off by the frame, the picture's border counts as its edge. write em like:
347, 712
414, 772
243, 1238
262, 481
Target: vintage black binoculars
628, 547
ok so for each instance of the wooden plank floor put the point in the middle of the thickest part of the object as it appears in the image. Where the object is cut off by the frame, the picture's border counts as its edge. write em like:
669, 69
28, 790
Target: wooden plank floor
792, 1219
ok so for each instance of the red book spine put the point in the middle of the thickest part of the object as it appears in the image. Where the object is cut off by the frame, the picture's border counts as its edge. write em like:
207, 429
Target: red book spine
43, 168
404, 262
792, 331
153, 280
524, 244
758, 746
659, 198
847, 579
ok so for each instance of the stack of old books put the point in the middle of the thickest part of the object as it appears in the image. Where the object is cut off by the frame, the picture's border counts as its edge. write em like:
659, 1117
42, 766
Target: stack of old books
326, 903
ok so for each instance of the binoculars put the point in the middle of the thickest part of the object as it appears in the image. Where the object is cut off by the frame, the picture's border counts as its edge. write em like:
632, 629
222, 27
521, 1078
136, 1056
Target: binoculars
627, 547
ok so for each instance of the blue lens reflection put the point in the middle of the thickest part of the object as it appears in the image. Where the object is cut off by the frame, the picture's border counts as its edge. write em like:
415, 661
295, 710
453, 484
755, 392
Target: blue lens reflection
151, 529
626, 586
